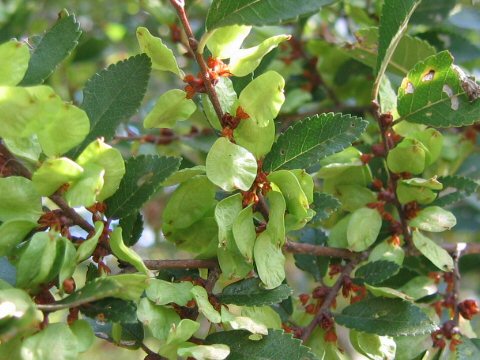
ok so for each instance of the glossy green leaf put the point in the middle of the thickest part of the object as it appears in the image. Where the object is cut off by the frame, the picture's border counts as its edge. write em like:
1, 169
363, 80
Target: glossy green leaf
12, 232
83, 333
434, 219
224, 42
57, 43
363, 228
433, 252
376, 272
36, 260
255, 138
432, 94
269, 260
19, 199
88, 246
143, 177
324, 205
312, 139
244, 234
384, 316
125, 286
409, 51
114, 95
162, 57
201, 298
373, 346
205, 352
263, 97
189, 203
14, 57
157, 318
250, 292
393, 23
85, 190
124, 253
56, 336
108, 158
164, 292
258, 12
171, 106
230, 166
245, 61
53, 173
276, 345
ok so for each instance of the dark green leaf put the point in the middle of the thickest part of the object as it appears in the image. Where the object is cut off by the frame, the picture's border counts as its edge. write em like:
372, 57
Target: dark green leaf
393, 23
468, 349
462, 48
258, 12
55, 46
112, 309
142, 179
113, 95
430, 12
132, 226
376, 272
465, 186
250, 292
432, 94
312, 139
386, 316
315, 265
276, 345
324, 206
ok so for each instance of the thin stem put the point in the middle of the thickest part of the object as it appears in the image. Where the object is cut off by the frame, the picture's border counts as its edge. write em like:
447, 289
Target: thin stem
193, 45
181, 264
318, 250
456, 280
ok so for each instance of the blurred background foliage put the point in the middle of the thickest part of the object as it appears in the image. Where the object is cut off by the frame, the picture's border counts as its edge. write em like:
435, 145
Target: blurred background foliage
322, 75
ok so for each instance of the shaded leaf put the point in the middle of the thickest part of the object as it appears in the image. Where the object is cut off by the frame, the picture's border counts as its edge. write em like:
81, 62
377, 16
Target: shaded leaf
310, 140
324, 206
251, 292
465, 186
315, 265
376, 272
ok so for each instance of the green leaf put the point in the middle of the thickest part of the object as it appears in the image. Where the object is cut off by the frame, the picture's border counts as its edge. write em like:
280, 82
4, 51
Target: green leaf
114, 95
162, 57
14, 57
201, 298
376, 272
224, 42
388, 252
177, 337
132, 226
324, 206
269, 260
313, 139
56, 336
409, 51
249, 323
36, 260
263, 97
419, 287
158, 319
465, 186
433, 252
205, 352
143, 177
276, 345
53, 48
124, 253
226, 212
258, 12
315, 265
227, 97
53, 173
245, 61
125, 286
244, 234
230, 166
114, 310
373, 346
164, 292
87, 247
189, 203
386, 292
170, 107
232, 263
263, 315
276, 220
12, 232
384, 316
363, 228
353, 197
432, 94
183, 175
393, 23
409, 155
468, 349
19, 200
84, 191
83, 333
295, 199
255, 138
65, 258
250, 292
434, 219
430, 12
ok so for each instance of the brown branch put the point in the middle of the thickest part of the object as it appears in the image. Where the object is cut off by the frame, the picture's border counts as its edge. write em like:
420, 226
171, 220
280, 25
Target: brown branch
181, 264
329, 299
318, 250
179, 6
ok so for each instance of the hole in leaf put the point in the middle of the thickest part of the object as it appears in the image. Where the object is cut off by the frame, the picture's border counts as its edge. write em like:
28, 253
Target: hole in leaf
454, 102
428, 114
145, 179
409, 89
429, 75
